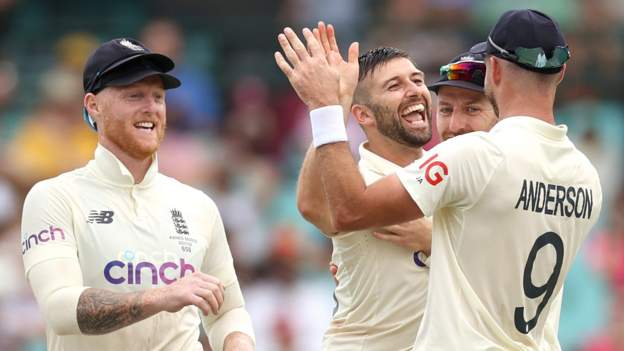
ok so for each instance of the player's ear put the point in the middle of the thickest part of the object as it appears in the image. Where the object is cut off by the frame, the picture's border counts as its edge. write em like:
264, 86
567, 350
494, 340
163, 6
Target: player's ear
495, 68
90, 102
363, 115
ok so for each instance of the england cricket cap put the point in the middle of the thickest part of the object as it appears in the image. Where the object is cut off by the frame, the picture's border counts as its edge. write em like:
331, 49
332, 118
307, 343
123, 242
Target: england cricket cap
122, 62
528, 38
466, 71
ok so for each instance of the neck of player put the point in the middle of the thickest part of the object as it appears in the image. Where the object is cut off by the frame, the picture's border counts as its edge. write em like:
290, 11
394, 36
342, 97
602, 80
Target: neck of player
527, 103
391, 150
136, 166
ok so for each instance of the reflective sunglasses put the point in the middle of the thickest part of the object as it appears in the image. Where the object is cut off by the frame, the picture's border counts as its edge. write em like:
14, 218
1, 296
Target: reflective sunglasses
535, 57
470, 71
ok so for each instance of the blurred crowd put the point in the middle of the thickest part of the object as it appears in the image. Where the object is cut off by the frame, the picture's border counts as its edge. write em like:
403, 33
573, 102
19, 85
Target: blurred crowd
238, 131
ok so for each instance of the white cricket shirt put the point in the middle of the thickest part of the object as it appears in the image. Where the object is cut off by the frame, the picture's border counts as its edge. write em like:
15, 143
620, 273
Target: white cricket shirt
128, 237
381, 289
511, 208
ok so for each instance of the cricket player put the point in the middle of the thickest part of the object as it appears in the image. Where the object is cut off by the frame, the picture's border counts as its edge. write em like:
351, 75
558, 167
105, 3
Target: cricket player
462, 107
511, 206
375, 310
119, 256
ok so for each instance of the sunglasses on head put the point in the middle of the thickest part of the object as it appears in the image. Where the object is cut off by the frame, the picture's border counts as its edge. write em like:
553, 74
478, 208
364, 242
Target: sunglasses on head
535, 57
470, 71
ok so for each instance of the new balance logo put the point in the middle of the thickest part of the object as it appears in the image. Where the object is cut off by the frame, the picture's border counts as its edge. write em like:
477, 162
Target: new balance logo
179, 222
100, 217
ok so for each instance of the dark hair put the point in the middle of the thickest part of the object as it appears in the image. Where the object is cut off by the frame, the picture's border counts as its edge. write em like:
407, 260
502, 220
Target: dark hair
369, 62
372, 59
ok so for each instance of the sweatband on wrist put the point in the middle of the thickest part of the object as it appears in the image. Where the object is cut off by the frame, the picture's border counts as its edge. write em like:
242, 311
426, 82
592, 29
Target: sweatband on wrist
328, 125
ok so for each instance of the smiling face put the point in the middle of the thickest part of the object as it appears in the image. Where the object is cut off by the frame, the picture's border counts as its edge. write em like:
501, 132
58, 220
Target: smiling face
132, 118
399, 102
463, 111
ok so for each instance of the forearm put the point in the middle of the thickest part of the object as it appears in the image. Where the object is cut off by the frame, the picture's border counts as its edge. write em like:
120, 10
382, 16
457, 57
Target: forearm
355, 206
343, 184
71, 308
311, 200
238, 341
102, 311
234, 320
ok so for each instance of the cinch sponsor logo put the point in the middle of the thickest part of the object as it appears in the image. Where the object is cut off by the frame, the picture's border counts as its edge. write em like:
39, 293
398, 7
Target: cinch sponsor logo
43, 236
119, 272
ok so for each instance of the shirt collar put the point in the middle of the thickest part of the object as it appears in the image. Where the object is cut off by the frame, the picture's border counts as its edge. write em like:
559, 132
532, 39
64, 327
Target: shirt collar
547, 130
110, 169
375, 162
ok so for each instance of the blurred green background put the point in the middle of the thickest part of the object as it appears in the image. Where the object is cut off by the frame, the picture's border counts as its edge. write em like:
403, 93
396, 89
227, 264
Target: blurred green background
238, 131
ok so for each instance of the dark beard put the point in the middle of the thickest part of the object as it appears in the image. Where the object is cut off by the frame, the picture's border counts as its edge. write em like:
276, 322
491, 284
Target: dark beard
392, 128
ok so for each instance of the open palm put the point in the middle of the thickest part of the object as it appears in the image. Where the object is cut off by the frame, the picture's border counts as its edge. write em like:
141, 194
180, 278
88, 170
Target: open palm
348, 69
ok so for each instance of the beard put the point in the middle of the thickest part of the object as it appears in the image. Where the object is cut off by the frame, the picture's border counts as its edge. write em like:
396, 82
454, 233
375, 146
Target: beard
388, 125
119, 134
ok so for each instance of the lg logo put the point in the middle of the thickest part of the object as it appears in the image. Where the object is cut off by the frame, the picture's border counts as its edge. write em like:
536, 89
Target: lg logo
435, 171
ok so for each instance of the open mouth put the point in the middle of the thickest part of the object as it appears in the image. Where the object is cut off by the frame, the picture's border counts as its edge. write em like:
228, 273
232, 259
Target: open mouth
147, 126
414, 115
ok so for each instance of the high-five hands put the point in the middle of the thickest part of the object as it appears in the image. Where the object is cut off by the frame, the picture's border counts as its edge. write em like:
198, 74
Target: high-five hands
349, 70
317, 71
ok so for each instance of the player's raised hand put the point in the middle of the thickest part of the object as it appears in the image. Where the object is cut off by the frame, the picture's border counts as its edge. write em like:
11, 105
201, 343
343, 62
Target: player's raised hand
198, 289
316, 81
349, 69
414, 235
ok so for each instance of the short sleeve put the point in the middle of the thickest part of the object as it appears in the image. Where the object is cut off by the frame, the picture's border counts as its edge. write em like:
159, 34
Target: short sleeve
47, 228
452, 174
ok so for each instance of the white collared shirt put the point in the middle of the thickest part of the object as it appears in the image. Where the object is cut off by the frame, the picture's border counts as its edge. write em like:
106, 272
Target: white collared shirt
381, 290
511, 208
128, 237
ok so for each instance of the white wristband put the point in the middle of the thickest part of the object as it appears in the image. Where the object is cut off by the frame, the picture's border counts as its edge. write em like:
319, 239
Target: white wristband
328, 125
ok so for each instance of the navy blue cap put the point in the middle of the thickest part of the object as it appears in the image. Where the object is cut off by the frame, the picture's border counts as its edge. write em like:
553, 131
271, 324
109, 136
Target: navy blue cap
124, 61
524, 29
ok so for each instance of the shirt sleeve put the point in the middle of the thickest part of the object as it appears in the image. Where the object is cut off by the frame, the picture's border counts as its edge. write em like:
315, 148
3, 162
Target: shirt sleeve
50, 257
47, 228
218, 262
452, 174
